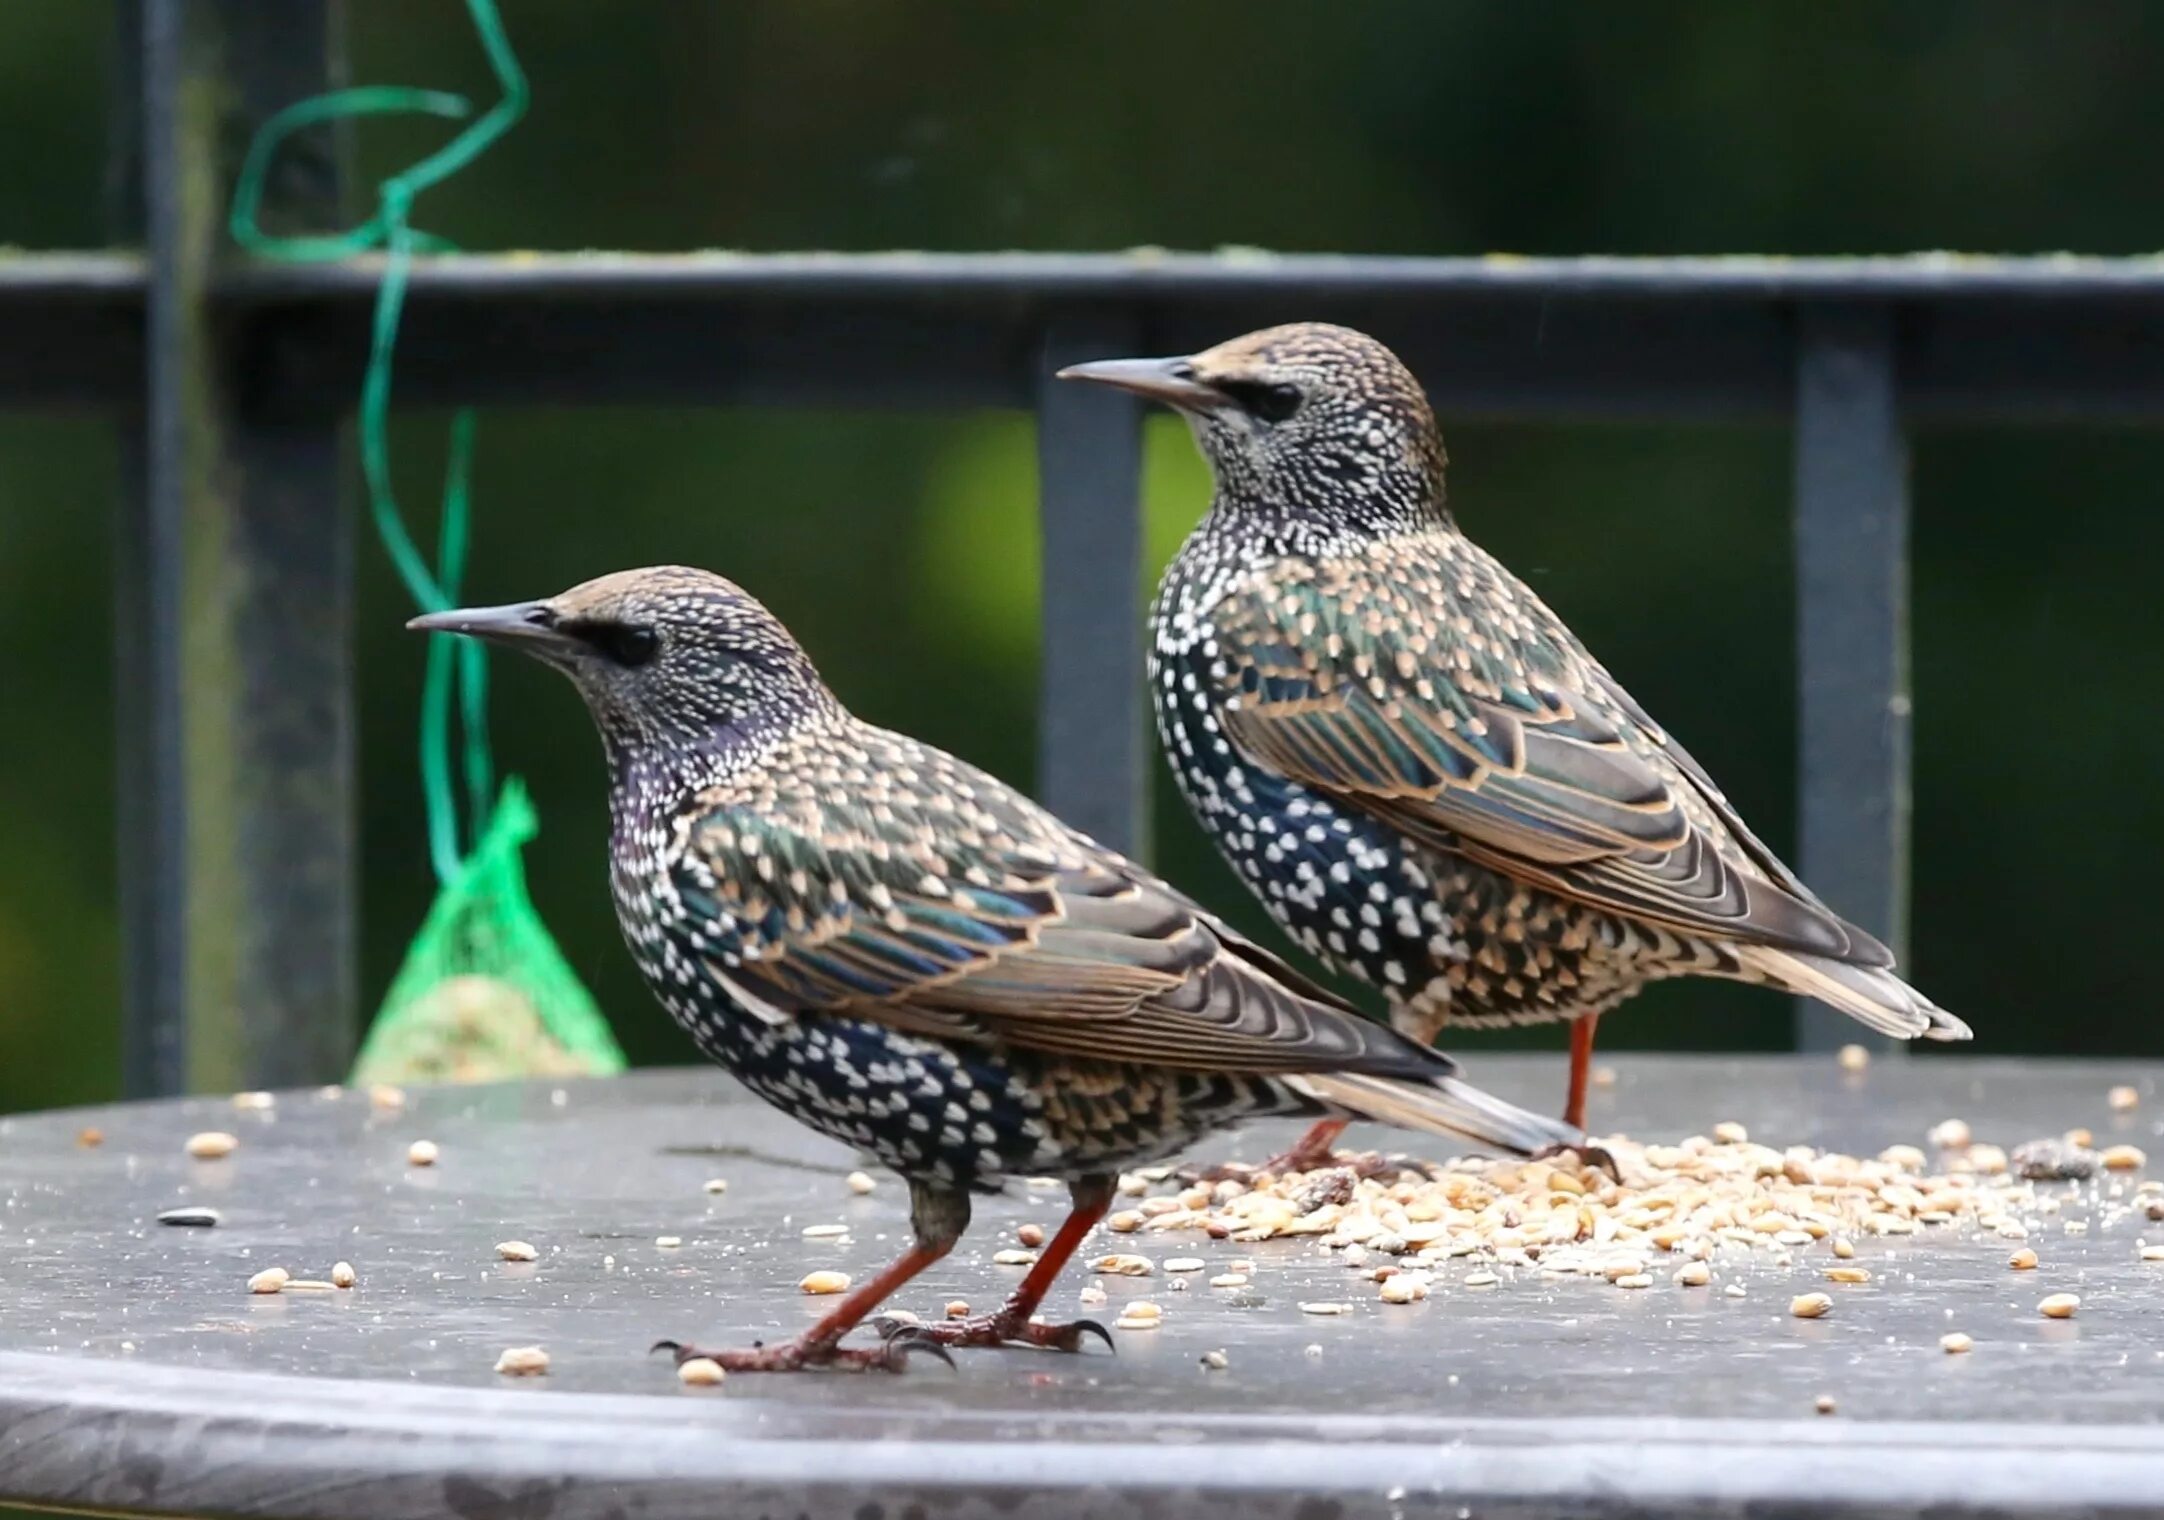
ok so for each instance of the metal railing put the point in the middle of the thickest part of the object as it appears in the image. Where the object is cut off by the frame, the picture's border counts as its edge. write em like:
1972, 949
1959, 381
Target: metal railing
229, 383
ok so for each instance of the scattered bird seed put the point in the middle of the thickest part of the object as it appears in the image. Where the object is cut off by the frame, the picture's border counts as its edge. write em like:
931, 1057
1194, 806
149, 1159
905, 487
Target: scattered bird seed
90, 1138
2023, 1260
1729, 1132
523, 1361
343, 1275
860, 1182
1215, 1361
1635, 1280
308, 1285
1091, 1298
269, 1280
957, 1308
1185, 1264
1810, 1305
1604, 1076
2124, 1099
1733, 1290
1951, 1135
1031, 1235
717, 1184
383, 1095
1229, 1280
1142, 1308
516, 1250
1824, 1404
1853, 1057
2080, 1136
1843, 1247
824, 1282
2059, 1306
700, 1372
1312, 1307
2155, 1209
825, 1231
211, 1144
1847, 1275
2054, 1161
668, 1242
2123, 1158
1013, 1258
1404, 1288
1129, 1322
254, 1102
422, 1153
1125, 1222
1954, 1343
1124, 1266
1693, 1274
191, 1216
2152, 1253
1481, 1280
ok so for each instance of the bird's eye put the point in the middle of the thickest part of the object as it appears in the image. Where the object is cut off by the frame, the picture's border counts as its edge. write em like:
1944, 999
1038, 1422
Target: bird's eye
627, 643
1270, 403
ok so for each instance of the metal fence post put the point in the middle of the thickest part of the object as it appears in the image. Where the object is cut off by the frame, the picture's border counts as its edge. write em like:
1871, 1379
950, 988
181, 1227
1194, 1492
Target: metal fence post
1852, 580
1091, 735
235, 659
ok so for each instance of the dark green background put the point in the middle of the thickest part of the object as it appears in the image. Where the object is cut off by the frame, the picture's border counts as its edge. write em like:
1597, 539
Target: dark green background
902, 548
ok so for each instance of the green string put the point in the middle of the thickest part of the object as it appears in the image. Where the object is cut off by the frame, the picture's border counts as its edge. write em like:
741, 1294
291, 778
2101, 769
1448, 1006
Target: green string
464, 666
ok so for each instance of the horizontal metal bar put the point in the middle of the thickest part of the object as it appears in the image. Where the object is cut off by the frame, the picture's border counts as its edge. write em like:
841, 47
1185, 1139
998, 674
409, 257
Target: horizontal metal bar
2022, 339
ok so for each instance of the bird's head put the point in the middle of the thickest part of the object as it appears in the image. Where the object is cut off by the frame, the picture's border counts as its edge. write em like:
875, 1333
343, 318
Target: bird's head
1306, 418
671, 661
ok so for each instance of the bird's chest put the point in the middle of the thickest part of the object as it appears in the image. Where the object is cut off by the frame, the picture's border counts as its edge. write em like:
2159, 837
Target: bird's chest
1350, 891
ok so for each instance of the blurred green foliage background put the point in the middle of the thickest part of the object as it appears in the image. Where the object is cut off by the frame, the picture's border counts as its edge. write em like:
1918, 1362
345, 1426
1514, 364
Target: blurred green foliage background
903, 549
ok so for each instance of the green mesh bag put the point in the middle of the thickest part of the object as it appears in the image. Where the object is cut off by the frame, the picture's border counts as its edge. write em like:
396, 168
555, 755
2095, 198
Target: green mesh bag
484, 994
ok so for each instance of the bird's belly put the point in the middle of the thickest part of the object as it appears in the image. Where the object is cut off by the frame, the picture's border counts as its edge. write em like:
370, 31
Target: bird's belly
967, 1114
1431, 929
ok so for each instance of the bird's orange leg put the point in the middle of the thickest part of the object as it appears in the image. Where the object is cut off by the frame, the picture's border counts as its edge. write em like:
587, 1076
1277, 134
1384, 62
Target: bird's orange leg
1581, 1069
1012, 1322
1314, 1151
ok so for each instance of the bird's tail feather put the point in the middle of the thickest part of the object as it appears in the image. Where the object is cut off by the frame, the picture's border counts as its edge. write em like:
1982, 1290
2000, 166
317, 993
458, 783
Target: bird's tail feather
1439, 1106
1877, 997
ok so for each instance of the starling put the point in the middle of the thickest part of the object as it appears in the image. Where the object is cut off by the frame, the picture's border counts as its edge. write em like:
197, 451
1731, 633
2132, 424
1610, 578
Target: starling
903, 953
1423, 774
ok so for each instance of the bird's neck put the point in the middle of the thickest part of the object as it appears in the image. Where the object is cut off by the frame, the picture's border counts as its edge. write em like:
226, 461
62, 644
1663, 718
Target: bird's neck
652, 774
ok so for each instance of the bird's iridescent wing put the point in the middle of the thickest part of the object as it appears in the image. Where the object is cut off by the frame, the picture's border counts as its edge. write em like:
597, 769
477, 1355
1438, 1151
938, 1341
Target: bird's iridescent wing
1421, 683
933, 899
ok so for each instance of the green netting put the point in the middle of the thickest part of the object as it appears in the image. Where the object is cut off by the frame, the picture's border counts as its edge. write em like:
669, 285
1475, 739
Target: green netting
484, 993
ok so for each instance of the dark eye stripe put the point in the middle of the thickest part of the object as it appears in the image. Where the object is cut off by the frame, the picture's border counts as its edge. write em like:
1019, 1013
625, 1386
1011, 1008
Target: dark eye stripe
628, 644
1271, 403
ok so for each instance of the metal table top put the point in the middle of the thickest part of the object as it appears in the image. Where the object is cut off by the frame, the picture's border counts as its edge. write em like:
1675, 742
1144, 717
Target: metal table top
138, 1374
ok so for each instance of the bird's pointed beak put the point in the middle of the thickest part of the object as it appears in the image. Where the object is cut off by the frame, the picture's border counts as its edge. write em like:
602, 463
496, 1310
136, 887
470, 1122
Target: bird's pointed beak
530, 626
1171, 381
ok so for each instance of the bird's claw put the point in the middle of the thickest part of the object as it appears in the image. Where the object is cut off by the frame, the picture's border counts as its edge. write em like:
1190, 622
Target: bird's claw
899, 1338
1000, 1329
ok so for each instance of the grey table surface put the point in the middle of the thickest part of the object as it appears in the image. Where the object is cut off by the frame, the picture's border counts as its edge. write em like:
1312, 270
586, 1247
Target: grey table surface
137, 1374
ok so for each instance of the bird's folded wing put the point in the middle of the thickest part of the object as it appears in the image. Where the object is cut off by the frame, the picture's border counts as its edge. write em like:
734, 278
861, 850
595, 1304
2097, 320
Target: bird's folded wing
1448, 702
1022, 934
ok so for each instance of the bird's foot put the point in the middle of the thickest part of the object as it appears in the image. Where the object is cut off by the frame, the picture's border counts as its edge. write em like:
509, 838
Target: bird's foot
1593, 1157
890, 1355
1004, 1328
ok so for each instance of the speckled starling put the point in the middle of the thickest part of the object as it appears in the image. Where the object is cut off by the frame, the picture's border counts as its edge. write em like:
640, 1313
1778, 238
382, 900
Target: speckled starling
1419, 769
907, 955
